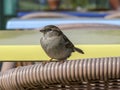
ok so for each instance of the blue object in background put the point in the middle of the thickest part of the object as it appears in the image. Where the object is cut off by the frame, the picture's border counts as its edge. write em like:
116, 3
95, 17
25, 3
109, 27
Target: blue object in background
73, 13
20, 14
86, 14
41, 22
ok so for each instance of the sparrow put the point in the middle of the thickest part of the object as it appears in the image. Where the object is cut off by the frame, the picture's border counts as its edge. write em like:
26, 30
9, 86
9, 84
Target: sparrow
56, 44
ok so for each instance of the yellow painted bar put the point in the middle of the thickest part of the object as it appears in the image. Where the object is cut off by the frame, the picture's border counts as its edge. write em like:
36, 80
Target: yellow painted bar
35, 52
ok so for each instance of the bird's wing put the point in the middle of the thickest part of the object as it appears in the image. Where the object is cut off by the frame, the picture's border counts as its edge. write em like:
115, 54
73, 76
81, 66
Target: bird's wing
68, 43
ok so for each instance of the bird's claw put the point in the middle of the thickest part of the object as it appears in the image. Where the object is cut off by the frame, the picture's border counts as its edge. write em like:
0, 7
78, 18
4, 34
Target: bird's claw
45, 62
62, 61
50, 60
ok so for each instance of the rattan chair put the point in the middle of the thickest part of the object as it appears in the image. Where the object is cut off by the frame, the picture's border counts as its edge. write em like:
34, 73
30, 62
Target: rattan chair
82, 74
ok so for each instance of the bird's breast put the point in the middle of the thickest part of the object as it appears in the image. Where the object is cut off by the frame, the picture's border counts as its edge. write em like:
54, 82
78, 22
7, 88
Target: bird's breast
51, 43
55, 47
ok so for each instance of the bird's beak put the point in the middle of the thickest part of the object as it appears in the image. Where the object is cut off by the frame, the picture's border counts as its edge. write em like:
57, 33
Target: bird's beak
42, 30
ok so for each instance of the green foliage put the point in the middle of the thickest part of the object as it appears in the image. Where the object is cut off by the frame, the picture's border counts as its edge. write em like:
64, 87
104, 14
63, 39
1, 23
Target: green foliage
28, 5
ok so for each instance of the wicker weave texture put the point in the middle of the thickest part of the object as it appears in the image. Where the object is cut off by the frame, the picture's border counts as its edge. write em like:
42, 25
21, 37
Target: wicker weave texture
88, 70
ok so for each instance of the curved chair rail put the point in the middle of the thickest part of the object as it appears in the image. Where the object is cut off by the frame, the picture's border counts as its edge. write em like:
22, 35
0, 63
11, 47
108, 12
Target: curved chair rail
46, 15
113, 16
54, 73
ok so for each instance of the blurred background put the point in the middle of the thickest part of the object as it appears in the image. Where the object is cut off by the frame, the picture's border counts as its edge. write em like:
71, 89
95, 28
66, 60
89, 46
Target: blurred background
84, 19
18, 8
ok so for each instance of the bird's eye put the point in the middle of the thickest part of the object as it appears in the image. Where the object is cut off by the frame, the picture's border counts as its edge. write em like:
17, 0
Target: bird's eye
49, 29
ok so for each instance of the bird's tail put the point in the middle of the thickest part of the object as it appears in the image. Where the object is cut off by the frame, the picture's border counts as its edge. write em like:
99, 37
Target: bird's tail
79, 50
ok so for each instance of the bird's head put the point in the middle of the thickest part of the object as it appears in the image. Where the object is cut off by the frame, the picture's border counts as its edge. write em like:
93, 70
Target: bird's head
51, 30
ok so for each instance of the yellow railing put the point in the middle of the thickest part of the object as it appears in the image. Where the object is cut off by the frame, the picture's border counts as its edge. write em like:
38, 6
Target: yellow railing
35, 52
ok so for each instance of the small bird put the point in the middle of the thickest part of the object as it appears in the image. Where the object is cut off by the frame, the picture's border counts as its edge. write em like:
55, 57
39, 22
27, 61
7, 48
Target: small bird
56, 44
